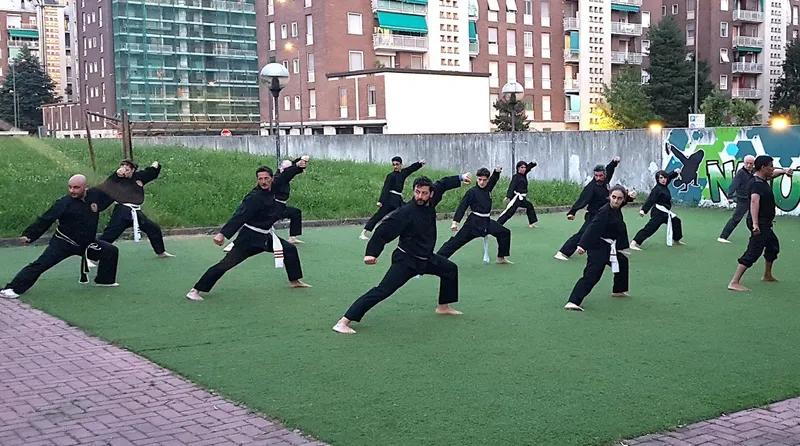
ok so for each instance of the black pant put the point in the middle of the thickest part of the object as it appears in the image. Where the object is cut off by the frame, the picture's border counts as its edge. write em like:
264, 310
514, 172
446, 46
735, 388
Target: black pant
121, 220
295, 217
596, 262
529, 210
57, 251
403, 268
742, 208
469, 232
571, 245
658, 218
248, 244
383, 211
765, 243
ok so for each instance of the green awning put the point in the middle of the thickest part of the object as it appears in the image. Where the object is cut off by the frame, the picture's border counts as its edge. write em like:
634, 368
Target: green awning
416, 2
624, 8
574, 40
402, 22
473, 32
751, 49
25, 33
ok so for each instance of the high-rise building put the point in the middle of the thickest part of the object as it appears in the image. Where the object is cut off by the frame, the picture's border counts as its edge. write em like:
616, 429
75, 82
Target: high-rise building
19, 25
55, 43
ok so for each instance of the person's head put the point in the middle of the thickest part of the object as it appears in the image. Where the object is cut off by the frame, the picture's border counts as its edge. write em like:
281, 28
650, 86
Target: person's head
397, 163
127, 168
662, 177
522, 167
285, 164
749, 162
422, 190
763, 165
78, 186
617, 196
483, 177
599, 173
264, 177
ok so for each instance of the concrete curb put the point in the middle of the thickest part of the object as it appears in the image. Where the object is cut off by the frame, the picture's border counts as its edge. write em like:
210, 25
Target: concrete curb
211, 230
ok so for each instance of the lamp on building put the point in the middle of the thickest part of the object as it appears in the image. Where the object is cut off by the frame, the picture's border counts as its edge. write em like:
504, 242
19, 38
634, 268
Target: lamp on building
275, 76
655, 127
290, 46
779, 123
512, 89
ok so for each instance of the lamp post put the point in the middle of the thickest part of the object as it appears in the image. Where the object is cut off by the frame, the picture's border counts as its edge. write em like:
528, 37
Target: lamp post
290, 46
513, 89
696, 50
275, 76
14, 86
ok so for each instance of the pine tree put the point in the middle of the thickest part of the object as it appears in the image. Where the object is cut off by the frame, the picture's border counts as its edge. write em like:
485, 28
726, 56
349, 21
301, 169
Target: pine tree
34, 88
626, 104
503, 118
787, 91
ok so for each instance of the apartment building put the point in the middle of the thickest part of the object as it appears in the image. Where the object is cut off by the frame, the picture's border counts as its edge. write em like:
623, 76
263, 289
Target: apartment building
19, 26
56, 31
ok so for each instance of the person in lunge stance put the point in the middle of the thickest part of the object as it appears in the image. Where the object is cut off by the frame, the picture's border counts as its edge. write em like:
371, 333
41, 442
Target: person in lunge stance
593, 197
660, 199
599, 242
762, 213
126, 187
516, 196
738, 192
392, 193
77, 214
415, 225
254, 219
479, 223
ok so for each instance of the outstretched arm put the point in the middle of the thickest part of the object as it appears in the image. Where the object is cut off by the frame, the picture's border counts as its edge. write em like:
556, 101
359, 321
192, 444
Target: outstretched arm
239, 218
289, 173
149, 174
494, 178
674, 174
530, 167
462, 207
610, 168
43, 223
582, 202
393, 225
407, 171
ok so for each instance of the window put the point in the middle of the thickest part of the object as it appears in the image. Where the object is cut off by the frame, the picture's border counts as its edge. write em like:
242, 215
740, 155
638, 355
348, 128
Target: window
511, 72
356, 60
795, 34
272, 36
354, 24
100, 20
294, 29
285, 64
795, 15
416, 62
307, 3
511, 11
312, 104
511, 43
372, 101
309, 30
287, 103
723, 55
723, 81
494, 9
101, 43
645, 77
295, 66
545, 45
103, 85
528, 72
342, 102
492, 39
723, 5
284, 31
297, 102
690, 34
674, 9
645, 47
494, 76
270, 7
546, 82
546, 112
545, 7
310, 67
103, 69
645, 19
527, 17
663, 11
723, 29
527, 38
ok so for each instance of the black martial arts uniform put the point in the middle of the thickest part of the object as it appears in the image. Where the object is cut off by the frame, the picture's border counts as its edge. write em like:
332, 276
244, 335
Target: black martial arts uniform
392, 194
517, 194
129, 194
253, 220
607, 223
660, 195
593, 197
766, 242
479, 223
738, 190
282, 192
76, 235
416, 227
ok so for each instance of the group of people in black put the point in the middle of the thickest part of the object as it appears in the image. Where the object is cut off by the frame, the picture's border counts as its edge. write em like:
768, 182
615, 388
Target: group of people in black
603, 236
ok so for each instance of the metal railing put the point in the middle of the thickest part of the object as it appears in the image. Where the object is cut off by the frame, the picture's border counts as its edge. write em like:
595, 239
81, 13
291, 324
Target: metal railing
571, 24
743, 15
746, 93
391, 5
626, 29
620, 57
411, 43
747, 67
755, 42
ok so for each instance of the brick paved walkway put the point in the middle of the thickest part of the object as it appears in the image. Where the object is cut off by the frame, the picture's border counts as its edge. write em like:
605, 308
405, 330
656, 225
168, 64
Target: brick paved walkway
60, 386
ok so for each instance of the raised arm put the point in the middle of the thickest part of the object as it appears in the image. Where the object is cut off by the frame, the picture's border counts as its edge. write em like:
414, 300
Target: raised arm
393, 225
530, 167
494, 178
149, 174
407, 171
288, 174
674, 174
43, 223
611, 167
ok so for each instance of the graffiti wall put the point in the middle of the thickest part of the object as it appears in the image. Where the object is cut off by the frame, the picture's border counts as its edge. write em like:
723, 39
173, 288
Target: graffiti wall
709, 158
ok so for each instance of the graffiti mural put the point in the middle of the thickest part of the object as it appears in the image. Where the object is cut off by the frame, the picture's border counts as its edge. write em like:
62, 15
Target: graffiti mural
709, 158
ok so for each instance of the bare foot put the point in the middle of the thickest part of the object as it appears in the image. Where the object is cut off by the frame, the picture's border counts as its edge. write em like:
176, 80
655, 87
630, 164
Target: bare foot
770, 279
298, 284
343, 326
446, 309
573, 307
532, 225
363, 236
679, 243
737, 287
194, 295
504, 261
295, 241
165, 255
623, 294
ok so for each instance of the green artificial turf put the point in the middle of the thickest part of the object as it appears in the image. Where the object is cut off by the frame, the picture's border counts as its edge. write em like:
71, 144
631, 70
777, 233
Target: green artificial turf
515, 369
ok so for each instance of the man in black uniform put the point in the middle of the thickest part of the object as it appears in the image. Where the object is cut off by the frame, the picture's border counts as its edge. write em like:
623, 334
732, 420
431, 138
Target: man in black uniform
517, 193
126, 186
479, 224
762, 213
254, 219
738, 191
392, 193
77, 214
593, 197
415, 224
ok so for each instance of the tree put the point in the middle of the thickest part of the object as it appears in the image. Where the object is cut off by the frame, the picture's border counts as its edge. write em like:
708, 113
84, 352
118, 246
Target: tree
626, 104
503, 118
603, 119
671, 85
744, 112
787, 91
716, 107
34, 88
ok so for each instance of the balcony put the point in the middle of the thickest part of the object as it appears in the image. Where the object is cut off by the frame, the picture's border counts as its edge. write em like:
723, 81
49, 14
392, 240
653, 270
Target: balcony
571, 24
627, 2
474, 48
572, 56
400, 43
742, 15
572, 85
232, 6
472, 11
394, 6
572, 116
32, 44
749, 42
747, 67
626, 29
619, 57
746, 93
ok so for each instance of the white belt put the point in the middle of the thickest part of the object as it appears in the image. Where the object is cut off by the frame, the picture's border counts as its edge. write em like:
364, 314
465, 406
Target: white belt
486, 215
134, 208
279, 201
277, 248
613, 257
395, 192
485, 238
517, 196
670, 216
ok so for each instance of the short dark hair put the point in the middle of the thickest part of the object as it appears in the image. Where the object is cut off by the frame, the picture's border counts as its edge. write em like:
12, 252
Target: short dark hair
129, 162
763, 161
620, 188
264, 169
600, 168
397, 159
422, 182
483, 172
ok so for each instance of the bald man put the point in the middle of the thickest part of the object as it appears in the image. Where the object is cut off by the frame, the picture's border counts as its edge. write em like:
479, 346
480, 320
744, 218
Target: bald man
77, 215
738, 191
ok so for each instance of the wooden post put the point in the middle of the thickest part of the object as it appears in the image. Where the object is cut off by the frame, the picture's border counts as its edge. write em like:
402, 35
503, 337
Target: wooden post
89, 140
126, 134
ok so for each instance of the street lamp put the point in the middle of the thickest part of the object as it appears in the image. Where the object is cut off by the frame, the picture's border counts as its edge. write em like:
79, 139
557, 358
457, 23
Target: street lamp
275, 76
513, 89
655, 127
290, 46
14, 86
779, 123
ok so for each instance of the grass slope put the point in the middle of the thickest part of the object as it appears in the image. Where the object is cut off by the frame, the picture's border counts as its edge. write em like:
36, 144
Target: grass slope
203, 188
514, 369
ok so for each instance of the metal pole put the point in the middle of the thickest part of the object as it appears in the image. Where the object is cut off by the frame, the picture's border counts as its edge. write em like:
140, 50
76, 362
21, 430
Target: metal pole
14, 86
513, 103
696, 50
300, 65
271, 116
277, 132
